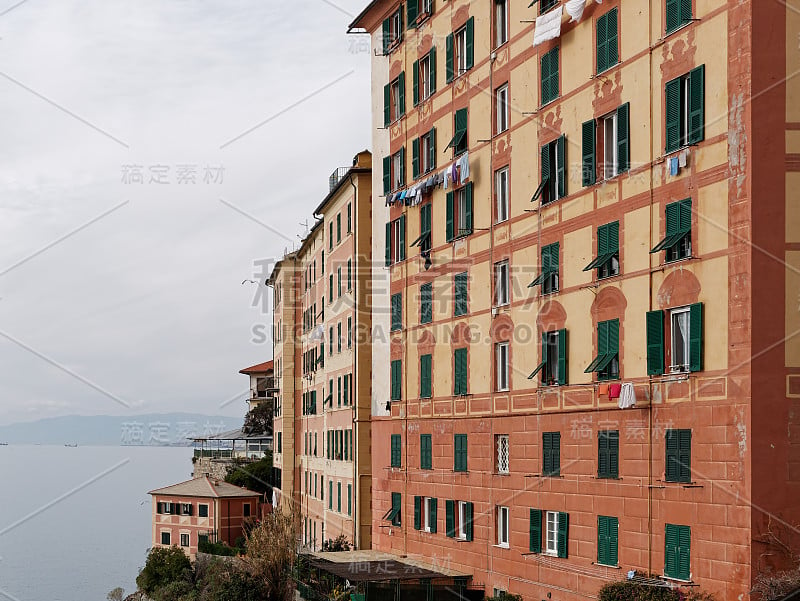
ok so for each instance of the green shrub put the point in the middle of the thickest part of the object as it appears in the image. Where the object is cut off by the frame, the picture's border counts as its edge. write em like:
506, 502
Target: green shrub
164, 566
340, 543
633, 591
505, 597
204, 546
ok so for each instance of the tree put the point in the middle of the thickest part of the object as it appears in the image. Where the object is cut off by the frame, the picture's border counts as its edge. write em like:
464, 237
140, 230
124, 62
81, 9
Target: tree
258, 420
271, 555
255, 476
116, 594
340, 543
164, 566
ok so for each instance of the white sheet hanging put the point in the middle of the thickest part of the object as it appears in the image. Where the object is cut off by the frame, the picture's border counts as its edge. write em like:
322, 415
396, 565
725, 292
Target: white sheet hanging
575, 8
548, 26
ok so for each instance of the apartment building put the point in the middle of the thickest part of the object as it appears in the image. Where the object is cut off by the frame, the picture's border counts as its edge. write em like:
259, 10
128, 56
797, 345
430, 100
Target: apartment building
591, 250
262, 383
324, 405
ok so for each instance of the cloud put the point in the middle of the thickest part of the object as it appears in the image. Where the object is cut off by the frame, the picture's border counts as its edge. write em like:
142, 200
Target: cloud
147, 302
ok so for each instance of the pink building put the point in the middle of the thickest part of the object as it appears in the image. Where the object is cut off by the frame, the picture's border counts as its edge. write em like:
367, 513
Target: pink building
186, 513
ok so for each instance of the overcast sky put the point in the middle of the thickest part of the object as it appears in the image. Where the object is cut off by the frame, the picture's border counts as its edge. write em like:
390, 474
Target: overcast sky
135, 295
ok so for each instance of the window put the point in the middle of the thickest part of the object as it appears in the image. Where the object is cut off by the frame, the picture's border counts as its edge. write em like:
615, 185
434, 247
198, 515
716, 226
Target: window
679, 12
685, 109
607, 540
246, 507
426, 303
500, 22
339, 337
397, 312
547, 5
430, 514
349, 499
501, 109
501, 190
553, 184
165, 538
349, 333
458, 519
460, 453
501, 366
551, 454
394, 171
548, 278
339, 282
459, 213
280, 450
460, 50
184, 539
502, 526
679, 456
551, 540
396, 449
460, 140
549, 67
608, 454
397, 366
460, 295
339, 497
338, 228
607, 260
425, 452
418, 11
425, 376
392, 30
349, 229
423, 155
686, 340
501, 446
501, 284
554, 359
606, 363
395, 511
202, 510
349, 274
677, 241
330, 341
425, 77
460, 372
677, 544
330, 235
396, 241
607, 46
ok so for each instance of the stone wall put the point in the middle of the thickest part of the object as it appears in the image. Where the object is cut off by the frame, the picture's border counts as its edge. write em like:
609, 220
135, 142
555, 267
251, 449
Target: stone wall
215, 468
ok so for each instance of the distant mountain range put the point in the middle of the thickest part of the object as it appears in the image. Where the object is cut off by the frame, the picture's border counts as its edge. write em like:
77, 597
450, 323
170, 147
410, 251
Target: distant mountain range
153, 429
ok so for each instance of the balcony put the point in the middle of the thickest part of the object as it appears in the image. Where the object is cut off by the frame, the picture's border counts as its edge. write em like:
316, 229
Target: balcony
337, 176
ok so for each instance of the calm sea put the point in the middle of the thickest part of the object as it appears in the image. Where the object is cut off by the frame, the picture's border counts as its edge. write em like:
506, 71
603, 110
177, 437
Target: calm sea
75, 522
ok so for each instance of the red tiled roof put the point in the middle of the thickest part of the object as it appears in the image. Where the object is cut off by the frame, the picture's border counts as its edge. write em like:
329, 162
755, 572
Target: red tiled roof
257, 369
204, 487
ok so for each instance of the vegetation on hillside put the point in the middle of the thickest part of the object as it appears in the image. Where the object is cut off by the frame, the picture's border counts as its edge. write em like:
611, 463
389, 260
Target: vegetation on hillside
255, 476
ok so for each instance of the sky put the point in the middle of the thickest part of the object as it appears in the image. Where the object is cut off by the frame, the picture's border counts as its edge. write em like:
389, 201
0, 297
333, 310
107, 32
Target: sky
156, 154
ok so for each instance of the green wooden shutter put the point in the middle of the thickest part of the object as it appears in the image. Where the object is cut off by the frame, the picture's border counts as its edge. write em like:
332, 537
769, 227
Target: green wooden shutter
602, 540
416, 83
432, 62
545, 78
402, 86
563, 534
612, 230
349, 499
387, 118
554, 73
425, 376
546, 171
561, 153
397, 506
672, 456
697, 95
396, 457
432, 154
563, 376
673, 15
449, 58
434, 514
612, 48
683, 552
547, 454
623, 137
387, 175
685, 215
470, 42
685, 455
402, 238
450, 518
402, 166
449, 220
686, 10
535, 531
673, 218
415, 158
470, 510
655, 343
468, 211
386, 33
696, 337
412, 9
672, 114
417, 513
613, 336
545, 338
602, 43
588, 139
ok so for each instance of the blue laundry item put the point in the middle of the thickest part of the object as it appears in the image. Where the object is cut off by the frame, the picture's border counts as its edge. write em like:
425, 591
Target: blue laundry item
673, 166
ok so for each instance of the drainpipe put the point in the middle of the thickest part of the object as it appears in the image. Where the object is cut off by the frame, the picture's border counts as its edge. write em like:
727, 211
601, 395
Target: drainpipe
354, 405
650, 305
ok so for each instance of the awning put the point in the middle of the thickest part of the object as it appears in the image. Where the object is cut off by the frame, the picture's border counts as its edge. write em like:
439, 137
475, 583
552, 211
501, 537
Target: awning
372, 566
599, 261
540, 189
669, 241
600, 362
537, 370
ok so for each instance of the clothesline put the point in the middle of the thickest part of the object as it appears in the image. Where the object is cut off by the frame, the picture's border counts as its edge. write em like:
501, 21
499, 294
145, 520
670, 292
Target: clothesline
455, 174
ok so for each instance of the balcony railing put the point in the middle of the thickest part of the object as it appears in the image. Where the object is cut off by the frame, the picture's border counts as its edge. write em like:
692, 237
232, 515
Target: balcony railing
336, 177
